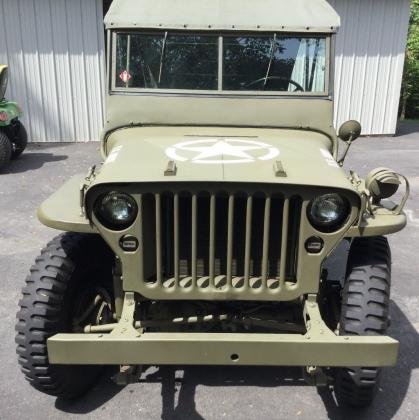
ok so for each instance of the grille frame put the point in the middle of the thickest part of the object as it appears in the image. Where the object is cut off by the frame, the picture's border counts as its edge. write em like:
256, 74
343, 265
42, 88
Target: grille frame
198, 238
307, 273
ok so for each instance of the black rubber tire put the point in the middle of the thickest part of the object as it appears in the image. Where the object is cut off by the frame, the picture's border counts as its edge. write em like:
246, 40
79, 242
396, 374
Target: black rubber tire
5, 150
20, 140
365, 311
69, 264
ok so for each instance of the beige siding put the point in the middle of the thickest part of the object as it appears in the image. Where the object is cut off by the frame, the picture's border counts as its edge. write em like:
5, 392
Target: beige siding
370, 55
55, 50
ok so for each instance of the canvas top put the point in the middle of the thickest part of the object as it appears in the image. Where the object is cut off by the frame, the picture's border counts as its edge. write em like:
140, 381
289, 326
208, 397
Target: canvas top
232, 15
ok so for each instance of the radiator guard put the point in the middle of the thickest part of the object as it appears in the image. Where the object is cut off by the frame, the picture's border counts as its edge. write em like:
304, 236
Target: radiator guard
254, 279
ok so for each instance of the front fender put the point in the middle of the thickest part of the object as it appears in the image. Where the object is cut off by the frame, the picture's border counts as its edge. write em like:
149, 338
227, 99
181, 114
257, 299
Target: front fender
62, 209
383, 221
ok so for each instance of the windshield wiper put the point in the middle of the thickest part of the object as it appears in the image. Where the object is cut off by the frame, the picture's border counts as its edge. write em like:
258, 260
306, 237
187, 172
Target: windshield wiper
163, 49
272, 54
314, 65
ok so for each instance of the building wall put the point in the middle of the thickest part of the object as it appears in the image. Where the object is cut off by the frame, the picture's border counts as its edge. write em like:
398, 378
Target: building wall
370, 50
55, 50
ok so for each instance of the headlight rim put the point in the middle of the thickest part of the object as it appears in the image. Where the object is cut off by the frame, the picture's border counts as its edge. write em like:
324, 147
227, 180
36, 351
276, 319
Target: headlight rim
336, 225
112, 224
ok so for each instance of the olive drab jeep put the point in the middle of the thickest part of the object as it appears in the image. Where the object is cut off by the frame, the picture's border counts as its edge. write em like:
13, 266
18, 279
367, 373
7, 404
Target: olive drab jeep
204, 237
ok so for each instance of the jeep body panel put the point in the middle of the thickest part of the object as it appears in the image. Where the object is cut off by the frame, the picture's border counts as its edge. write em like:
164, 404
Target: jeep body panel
305, 156
204, 112
62, 210
222, 349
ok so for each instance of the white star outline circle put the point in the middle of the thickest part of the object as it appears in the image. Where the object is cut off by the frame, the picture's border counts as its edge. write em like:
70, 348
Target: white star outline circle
215, 147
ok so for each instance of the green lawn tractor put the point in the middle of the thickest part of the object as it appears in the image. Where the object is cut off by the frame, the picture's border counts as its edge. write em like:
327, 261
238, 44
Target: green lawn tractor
13, 136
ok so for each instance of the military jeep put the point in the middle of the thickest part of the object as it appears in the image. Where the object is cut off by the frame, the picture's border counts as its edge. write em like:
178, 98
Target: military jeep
204, 237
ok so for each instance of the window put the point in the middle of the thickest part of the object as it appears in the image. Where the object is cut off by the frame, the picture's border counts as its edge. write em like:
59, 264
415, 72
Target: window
274, 63
250, 63
167, 61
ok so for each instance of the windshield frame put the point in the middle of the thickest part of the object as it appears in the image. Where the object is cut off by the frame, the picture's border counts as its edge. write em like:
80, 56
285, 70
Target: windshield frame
113, 89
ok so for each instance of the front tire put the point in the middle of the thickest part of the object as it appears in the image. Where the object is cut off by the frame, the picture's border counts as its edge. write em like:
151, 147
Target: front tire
365, 311
71, 268
5, 150
19, 140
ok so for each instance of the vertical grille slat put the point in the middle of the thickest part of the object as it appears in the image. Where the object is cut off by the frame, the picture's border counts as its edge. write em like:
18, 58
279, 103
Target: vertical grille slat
158, 239
248, 240
284, 240
220, 240
212, 240
293, 237
266, 228
141, 236
230, 234
194, 238
176, 238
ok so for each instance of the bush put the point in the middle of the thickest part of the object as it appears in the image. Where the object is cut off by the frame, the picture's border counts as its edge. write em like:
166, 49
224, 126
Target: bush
409, 103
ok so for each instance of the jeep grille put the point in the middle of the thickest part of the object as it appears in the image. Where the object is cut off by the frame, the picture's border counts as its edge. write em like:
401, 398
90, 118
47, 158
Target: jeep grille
219, 241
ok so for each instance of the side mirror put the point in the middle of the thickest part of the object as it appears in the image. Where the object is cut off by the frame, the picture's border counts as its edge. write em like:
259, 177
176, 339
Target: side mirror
349, 131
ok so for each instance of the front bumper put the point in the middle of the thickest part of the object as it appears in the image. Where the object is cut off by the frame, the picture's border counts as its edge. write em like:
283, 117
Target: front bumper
127, 345
120, 348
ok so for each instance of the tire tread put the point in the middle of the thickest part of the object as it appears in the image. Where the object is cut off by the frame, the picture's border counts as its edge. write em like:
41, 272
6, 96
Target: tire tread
5, 150
40, 313
365, 311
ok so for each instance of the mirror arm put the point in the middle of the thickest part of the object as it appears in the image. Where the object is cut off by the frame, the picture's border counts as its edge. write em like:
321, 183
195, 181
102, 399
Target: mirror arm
348, 146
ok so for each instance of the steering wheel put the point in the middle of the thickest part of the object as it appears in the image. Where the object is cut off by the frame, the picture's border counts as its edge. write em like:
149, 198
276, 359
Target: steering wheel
298, 87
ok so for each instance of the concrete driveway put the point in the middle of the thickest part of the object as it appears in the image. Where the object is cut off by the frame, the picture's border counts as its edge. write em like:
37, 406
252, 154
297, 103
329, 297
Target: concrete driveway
200, 392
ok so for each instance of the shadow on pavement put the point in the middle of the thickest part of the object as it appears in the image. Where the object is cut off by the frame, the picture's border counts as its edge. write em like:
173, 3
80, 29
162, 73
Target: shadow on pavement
103, 392
407, 127
31, 161
395, 382
194, 376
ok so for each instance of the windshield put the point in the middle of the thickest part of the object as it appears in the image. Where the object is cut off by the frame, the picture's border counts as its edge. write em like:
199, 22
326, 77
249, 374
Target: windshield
272, 63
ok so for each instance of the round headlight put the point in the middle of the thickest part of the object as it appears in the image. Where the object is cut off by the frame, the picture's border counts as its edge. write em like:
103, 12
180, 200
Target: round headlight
328, 212
116, 211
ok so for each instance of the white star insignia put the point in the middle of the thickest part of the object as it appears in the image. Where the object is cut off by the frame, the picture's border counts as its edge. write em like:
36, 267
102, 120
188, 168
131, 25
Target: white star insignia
221, 148
221, 151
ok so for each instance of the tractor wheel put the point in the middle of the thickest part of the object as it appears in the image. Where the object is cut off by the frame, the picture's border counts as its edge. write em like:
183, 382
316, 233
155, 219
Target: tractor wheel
19, 140
5, 150
365, 311
72, 273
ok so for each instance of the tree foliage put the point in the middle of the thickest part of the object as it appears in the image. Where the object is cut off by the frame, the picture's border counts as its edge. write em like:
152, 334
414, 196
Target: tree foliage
409, 105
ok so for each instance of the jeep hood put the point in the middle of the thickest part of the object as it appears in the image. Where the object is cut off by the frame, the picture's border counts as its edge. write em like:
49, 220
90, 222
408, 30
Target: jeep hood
143, 154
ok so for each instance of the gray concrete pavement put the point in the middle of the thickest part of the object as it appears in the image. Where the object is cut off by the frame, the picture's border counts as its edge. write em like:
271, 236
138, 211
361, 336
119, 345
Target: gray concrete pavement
200, 392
